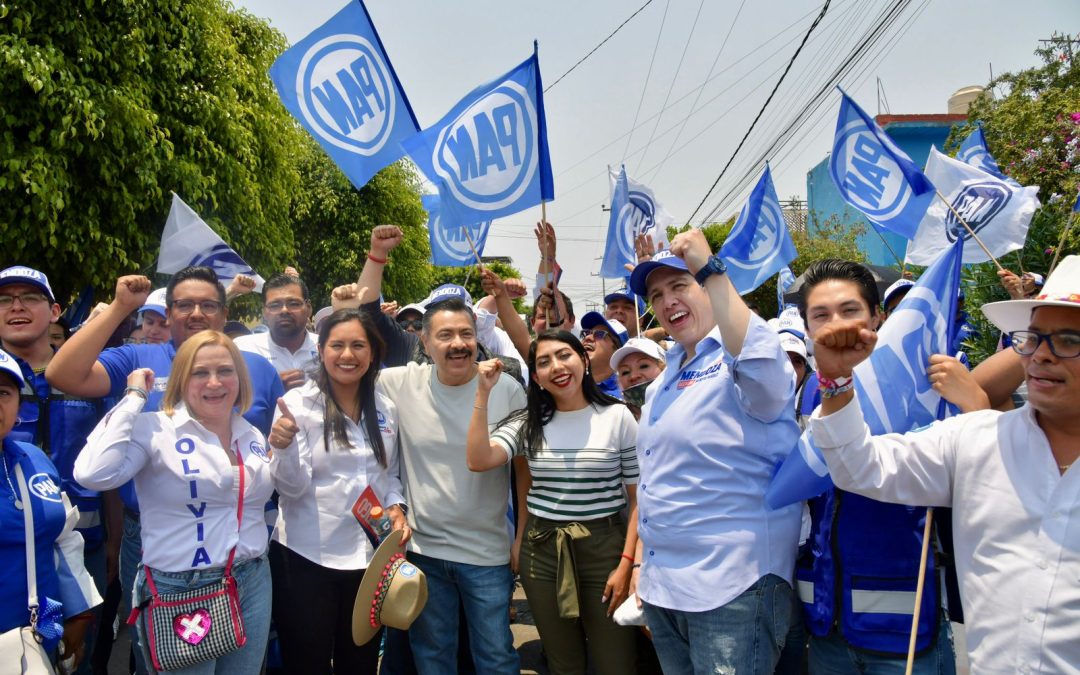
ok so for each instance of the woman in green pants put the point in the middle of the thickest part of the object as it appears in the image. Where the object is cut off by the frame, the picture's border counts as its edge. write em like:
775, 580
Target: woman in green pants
574, 552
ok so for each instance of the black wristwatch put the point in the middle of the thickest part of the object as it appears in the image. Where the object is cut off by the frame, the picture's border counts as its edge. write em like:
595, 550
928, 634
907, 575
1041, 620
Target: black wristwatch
714, 266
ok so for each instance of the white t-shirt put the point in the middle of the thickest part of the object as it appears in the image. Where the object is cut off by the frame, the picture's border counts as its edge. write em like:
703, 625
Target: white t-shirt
318, 487
456, 514
587, 457
306, 358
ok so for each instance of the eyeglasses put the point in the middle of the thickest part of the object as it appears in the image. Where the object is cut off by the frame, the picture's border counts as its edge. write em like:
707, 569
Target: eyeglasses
1063, 344
185, 307
596, 333
291, 305
415, 324
32, 299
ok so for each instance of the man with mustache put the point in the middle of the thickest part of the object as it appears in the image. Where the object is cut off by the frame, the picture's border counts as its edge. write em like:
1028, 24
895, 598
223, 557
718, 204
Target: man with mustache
1009, 478
289, 346
458, 517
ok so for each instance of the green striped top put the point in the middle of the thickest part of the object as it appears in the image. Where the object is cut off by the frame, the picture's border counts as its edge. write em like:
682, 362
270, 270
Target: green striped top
588, 456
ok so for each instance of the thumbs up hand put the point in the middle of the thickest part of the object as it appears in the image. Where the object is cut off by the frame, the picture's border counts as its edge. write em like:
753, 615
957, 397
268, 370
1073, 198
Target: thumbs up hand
284, 429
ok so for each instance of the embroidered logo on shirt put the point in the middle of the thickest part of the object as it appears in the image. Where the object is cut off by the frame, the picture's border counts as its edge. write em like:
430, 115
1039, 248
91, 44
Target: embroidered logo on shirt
383, 426
259, 451
692, 377
43, 487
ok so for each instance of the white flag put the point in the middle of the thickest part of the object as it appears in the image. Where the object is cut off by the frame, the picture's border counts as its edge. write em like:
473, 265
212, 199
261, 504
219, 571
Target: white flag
188, 241
998, 211
650, 216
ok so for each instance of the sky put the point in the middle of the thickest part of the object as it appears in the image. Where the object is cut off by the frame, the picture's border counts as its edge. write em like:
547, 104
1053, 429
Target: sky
672, 94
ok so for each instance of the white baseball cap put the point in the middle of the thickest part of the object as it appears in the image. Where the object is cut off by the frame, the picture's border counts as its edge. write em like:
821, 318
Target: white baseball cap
638, 345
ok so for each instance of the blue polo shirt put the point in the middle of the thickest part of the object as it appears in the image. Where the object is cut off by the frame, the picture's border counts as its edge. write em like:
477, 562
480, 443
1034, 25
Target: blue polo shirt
266, 386
711, 433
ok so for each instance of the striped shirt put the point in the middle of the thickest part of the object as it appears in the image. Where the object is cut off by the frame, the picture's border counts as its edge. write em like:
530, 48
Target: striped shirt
587, 457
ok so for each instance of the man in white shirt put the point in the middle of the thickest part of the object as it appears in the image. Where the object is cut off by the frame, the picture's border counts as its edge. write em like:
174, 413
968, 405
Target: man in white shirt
1007, 477
288, 345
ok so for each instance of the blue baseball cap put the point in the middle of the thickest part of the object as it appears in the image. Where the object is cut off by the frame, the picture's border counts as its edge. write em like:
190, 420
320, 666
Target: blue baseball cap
446, 292
25, 275
8, 365
640, 277
621, 294
614, 327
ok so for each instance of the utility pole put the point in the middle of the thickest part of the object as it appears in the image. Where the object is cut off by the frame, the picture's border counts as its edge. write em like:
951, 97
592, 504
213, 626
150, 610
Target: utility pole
1065, 42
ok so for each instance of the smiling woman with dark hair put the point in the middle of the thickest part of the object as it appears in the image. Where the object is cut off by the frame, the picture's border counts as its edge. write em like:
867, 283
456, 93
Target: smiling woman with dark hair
573, 548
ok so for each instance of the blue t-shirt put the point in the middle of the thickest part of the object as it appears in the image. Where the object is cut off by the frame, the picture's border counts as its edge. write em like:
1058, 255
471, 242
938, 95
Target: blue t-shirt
610, 386
266, 386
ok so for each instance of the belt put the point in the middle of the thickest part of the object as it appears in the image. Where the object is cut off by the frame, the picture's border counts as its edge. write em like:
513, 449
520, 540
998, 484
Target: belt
566, 590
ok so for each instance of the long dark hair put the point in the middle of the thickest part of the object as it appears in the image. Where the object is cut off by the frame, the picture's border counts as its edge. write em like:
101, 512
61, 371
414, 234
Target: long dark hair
333, 417
540, 404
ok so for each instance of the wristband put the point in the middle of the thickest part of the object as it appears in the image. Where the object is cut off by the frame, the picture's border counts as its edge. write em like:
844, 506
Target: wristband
136, 390
628, 557
830, 388
381, 261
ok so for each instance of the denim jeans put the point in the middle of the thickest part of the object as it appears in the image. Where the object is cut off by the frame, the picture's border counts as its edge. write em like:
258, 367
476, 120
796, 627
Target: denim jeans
130, 559
253, 585
744, 636
833, 656
484, 593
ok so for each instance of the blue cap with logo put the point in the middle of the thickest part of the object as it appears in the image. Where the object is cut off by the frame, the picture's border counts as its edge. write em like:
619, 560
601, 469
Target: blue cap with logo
8, 365
31, 277
446, 292
613, 326
640, 277
621, 294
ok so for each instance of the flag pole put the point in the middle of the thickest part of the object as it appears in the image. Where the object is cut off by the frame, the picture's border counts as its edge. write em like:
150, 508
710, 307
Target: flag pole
919, 586
479, 262
551, 264
885, 241
970, 231
1061, 243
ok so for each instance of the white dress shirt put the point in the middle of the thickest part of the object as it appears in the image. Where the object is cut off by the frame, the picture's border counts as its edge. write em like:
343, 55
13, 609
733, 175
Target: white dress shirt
186, 482
318, 487
1016, 523
306, 358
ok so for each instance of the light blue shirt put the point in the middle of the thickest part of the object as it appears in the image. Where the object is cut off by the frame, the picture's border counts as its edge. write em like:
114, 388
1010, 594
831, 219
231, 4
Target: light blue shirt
711, 434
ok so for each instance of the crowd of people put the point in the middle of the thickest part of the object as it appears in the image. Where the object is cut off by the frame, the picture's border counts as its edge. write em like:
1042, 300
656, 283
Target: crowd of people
616, 464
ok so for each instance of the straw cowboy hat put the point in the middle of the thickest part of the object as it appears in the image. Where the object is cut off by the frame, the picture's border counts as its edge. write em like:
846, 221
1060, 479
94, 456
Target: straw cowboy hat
1062, 289
393, 592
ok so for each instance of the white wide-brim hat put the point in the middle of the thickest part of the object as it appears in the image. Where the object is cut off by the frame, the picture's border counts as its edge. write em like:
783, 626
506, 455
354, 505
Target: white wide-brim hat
1062, 289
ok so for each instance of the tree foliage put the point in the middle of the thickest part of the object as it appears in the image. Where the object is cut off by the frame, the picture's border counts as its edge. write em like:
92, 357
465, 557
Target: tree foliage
469, 277
1033, 131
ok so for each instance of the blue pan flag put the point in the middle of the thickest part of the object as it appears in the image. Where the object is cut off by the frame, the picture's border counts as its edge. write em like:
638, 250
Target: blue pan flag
619, 250
893, 387
975, 152
784, 280
489, 155
759, 244
339, 84
874, 175
449, 245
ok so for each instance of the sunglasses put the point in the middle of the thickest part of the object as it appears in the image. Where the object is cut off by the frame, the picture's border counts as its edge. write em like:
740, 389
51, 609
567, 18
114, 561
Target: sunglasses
596, 333
415, 324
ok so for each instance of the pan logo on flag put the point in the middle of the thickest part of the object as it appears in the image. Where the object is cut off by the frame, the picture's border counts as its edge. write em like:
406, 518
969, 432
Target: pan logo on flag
636, 217
488, 156
767, 238
977, 204
873, 181
345, 93
225, 262
453, 241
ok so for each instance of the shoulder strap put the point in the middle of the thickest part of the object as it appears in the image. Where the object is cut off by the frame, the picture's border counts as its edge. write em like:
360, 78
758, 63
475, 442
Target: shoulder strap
239, 507
31, 553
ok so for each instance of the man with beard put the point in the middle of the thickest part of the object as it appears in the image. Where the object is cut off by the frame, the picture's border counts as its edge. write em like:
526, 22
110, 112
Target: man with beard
194, 301
288, 345
458, 517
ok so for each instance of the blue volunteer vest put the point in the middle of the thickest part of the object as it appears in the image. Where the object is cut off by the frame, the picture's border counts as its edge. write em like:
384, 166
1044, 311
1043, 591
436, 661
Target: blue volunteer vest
861, 565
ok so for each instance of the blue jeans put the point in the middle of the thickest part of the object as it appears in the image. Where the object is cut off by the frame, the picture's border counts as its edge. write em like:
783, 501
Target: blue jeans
743, 636
253, 585
130, 559
833, 656
484, 593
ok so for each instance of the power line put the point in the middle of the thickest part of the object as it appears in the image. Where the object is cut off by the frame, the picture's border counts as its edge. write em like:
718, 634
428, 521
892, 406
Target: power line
648, 76
763, 107
593, 50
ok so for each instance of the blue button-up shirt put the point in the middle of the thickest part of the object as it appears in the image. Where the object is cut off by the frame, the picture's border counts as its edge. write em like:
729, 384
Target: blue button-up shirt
711, 434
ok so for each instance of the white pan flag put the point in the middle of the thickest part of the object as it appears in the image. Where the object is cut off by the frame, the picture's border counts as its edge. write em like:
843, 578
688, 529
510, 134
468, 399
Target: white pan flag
998, 211
187, 241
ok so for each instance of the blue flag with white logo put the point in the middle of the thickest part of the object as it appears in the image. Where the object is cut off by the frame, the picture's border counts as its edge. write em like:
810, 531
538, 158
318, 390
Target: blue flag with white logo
874, 175
894, 390
449, 243
975, 152
489, 156
619, 250
339, 84
759, 243
784, 280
